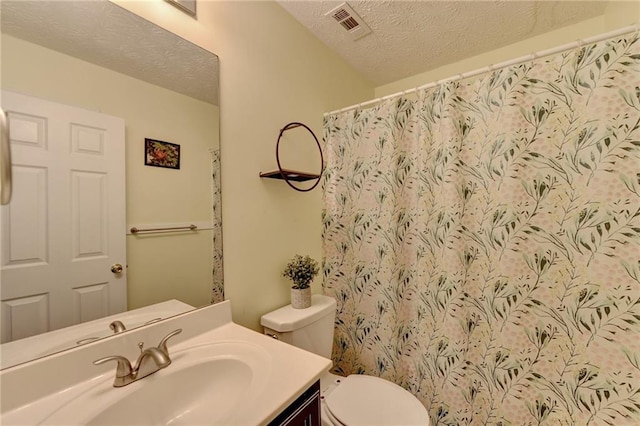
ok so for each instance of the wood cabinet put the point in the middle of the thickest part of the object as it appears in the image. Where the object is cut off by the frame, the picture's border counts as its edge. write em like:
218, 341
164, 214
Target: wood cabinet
304, 411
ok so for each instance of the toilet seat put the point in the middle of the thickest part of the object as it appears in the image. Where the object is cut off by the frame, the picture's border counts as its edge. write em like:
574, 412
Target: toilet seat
361, 400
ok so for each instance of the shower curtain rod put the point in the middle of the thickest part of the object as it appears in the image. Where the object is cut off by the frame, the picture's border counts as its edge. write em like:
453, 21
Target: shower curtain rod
505, 64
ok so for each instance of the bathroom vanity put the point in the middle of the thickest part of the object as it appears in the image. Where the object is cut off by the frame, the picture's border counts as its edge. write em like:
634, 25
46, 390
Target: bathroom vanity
220, 373
304, 411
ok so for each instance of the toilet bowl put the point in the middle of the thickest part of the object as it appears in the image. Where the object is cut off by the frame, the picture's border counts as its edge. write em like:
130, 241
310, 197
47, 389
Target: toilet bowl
361, 400
355, 400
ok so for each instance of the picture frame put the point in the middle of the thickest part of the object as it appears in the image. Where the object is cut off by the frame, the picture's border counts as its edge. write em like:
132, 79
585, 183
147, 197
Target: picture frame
187, 6
161, 154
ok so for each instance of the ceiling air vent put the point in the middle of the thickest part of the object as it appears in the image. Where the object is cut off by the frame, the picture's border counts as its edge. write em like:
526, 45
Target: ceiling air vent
349, 21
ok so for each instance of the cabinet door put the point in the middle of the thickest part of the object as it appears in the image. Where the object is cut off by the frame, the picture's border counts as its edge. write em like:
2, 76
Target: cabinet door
304, 411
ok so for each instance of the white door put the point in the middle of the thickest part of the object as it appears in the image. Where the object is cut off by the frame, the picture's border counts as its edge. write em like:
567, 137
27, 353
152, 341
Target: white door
65, 226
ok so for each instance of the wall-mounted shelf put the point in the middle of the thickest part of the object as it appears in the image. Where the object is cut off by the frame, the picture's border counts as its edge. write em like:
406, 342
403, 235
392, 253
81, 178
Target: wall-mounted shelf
290, 175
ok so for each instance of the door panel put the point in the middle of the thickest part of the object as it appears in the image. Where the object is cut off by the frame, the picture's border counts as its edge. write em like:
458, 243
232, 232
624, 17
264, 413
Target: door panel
91, 302
25, 316
88, 214
65, 225
26, 230
28, 130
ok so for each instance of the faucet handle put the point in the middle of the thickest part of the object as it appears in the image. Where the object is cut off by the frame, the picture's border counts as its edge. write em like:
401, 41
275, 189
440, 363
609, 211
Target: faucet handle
124, 366
163, 343
117, 326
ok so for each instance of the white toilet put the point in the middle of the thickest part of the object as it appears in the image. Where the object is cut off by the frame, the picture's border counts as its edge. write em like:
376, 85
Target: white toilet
349, 401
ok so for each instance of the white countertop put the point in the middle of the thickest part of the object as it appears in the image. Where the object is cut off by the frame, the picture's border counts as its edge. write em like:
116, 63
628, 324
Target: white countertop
31, 392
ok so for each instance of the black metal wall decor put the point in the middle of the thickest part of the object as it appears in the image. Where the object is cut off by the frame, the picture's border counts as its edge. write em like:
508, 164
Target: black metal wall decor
291, 175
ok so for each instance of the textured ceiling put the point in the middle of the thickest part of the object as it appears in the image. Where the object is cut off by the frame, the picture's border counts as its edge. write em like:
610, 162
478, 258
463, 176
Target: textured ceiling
410, 37
107, 35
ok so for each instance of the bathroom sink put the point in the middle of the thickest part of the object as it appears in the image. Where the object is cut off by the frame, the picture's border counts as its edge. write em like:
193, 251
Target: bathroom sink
207, 384
182, 397
221, 373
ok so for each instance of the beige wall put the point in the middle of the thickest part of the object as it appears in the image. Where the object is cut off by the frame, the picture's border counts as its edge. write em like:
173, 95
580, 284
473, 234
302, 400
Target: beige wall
157, 270
617, 15
273, 71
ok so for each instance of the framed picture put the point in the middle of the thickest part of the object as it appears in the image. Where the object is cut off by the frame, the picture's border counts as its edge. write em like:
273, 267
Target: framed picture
187, 6
161, 154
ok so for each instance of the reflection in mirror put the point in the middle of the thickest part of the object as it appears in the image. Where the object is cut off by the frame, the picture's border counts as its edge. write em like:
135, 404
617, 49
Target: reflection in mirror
82, 69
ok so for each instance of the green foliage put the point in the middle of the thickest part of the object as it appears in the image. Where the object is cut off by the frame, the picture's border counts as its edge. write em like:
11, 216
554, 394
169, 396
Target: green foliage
301, 270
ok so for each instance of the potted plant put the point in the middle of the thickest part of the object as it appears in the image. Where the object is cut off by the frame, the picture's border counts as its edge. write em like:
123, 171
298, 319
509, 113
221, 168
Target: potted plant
301, 270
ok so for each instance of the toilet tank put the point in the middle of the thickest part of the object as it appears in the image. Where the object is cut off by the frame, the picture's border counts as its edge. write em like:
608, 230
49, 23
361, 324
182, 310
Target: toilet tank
310, 329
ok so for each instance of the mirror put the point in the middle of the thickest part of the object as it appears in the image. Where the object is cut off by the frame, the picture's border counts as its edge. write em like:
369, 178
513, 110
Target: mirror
100, 57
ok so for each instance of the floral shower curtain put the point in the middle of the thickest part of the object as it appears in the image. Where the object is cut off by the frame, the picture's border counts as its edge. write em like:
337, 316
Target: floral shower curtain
217, 290
483, 241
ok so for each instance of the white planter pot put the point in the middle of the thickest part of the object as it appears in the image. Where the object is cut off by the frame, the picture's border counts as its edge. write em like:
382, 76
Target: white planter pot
300, 298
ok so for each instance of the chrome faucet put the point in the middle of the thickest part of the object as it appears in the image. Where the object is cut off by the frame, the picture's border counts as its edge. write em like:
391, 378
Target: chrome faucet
149, 361
117, 327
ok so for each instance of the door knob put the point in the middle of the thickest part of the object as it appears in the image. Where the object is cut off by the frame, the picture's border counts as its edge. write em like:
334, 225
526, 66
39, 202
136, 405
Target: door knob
116, 268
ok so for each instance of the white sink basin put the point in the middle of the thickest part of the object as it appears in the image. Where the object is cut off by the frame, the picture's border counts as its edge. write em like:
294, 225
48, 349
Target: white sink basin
208, 384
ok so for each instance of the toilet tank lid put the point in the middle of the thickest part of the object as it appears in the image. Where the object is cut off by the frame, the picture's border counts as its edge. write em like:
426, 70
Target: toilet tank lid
288, 319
